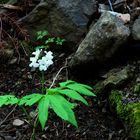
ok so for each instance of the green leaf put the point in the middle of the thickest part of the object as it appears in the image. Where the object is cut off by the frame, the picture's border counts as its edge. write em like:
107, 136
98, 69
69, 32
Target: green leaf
43, 107
77, 87
86, 86
44, 33
8, 99
12, 100
52, 91
2, 101
39, 37
63, 84
30, 99
41, 34
49, 40
40, 47
59, 41
62, 108
73, 94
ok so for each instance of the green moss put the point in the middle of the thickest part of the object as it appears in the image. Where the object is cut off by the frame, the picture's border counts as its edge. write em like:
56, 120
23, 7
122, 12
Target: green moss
136, 89
133, 119
129, 114
116, 101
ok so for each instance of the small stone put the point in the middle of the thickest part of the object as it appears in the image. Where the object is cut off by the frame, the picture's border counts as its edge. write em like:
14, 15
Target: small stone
18, 122
124, 17
8, 138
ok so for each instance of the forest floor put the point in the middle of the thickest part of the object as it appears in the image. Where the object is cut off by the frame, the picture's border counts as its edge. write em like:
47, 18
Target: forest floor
95, 122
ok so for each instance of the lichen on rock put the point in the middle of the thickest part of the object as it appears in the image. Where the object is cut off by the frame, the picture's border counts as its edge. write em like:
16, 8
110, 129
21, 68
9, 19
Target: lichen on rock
114, 78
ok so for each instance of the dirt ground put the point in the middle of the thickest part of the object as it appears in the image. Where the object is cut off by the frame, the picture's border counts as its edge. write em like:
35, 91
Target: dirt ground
95, 122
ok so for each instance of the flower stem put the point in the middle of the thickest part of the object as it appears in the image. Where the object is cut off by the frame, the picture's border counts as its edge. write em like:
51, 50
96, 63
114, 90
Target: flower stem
43, 81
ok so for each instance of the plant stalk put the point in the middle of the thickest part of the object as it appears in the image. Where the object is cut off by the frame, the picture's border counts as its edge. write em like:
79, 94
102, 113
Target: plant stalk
26, 113
43, 82
34, 128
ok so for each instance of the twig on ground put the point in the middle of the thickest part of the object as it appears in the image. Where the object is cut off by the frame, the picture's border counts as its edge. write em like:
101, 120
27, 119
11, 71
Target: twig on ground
8, 115
55, 78
9, 6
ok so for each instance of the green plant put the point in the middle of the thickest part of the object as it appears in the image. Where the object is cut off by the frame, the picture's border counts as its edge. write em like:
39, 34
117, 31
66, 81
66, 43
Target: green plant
41, 34
44, 36
54, 98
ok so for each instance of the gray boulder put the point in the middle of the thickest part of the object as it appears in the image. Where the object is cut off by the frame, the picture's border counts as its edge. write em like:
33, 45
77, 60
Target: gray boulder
136, 29
105, 37
65, 18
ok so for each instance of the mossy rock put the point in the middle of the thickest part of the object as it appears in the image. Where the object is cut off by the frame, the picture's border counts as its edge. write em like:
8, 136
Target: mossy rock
128, 113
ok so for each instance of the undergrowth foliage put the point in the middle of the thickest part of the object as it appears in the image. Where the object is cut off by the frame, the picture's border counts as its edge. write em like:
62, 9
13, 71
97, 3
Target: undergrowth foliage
47, 40
55, 98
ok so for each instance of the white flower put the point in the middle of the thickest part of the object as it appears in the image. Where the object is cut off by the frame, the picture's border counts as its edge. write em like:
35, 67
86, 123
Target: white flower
42, 63
37, 53
33, 62
48, 55
49, 62
35, 58
42, 68
46, 61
